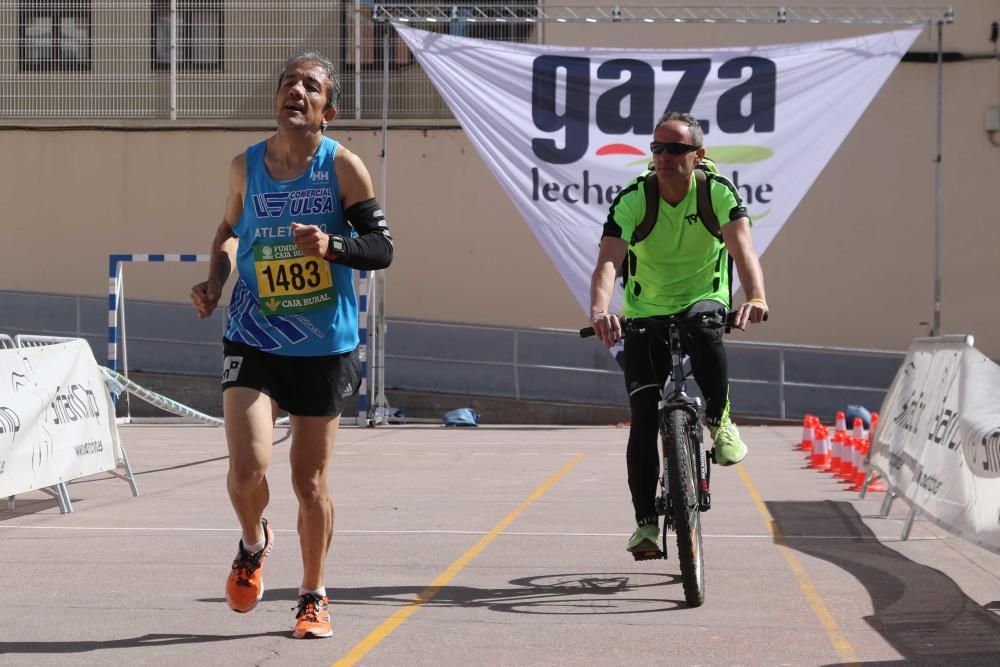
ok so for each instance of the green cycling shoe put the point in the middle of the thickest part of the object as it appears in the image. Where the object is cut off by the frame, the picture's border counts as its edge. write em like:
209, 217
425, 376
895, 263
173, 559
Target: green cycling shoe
729, 447
645, 538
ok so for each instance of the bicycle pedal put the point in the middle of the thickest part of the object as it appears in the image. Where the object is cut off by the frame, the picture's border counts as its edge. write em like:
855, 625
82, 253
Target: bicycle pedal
704, 502
648, 555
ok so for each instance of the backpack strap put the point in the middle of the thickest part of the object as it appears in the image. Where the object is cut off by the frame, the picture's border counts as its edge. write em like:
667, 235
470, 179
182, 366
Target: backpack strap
705, 211
651, 188
708, 218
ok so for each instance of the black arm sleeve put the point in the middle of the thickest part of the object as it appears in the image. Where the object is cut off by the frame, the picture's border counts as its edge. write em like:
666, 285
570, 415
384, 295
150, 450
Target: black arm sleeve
372, 248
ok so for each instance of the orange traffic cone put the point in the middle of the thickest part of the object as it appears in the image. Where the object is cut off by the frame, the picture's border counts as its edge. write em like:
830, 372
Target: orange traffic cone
859, 477
859, 465
836, 452
876, 485
817, 426
846, 472
858, 429
807, 434
821, 453
841, 422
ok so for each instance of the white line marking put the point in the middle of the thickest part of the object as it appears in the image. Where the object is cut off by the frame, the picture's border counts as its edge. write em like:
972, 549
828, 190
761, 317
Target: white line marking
465, 532
347, 452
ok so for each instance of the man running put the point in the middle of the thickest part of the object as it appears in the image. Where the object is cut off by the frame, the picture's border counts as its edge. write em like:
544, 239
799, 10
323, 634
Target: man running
300, 215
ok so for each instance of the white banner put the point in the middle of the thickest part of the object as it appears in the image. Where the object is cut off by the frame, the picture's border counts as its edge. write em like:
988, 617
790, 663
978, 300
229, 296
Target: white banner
564, 128
938, 439
57, 420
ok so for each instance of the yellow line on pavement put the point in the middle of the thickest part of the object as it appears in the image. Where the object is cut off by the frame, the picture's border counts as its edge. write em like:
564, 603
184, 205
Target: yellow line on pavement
362, 648
840, 642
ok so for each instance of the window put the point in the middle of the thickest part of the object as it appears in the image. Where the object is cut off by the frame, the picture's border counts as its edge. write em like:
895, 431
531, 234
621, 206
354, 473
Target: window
199, 35
53, 36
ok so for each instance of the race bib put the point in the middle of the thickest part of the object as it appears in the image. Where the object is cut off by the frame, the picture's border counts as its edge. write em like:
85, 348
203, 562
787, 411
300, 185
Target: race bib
288, 282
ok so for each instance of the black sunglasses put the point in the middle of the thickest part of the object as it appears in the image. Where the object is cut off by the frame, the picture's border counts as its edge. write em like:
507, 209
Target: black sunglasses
672, 148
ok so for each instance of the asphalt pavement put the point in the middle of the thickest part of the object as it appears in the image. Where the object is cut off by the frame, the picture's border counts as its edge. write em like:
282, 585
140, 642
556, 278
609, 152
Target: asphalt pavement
486, 546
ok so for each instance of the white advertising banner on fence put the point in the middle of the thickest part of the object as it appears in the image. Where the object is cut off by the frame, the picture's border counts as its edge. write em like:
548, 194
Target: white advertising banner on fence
57, 420
938, 439
563, 128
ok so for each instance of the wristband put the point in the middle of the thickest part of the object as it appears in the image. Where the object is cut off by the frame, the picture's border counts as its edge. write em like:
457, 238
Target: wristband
760, 301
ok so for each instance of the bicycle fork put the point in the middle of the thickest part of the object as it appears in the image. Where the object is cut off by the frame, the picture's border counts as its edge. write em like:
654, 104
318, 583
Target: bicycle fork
681, 401
664, 504
704, 472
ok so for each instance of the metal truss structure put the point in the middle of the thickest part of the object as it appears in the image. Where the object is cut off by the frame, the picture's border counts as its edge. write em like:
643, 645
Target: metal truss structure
525, 13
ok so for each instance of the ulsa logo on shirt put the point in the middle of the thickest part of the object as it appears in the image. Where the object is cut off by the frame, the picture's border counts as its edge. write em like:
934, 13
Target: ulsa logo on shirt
315, 201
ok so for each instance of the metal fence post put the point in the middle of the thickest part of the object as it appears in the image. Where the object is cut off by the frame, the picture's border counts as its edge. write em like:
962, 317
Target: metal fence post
173, 59
781, 382
517, 378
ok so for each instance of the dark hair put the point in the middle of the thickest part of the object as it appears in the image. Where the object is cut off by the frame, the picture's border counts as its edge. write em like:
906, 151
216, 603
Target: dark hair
333, 91
697, 137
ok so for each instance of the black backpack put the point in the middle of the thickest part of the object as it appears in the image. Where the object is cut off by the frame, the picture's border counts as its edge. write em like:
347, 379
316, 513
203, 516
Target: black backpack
706, 213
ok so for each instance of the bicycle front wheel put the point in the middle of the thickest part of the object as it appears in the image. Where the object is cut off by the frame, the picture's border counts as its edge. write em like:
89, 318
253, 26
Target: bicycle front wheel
683, 472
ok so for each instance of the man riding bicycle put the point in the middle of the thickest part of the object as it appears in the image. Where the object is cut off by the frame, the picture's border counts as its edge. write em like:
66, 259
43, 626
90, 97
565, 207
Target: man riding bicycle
680, 267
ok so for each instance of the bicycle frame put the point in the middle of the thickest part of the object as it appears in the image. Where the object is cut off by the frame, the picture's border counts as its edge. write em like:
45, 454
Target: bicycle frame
674, 396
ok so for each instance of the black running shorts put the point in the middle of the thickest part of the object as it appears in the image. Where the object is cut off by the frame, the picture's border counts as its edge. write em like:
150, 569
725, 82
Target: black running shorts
301, 386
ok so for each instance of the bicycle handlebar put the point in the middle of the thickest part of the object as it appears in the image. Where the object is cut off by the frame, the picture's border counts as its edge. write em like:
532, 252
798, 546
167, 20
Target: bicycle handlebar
627, 325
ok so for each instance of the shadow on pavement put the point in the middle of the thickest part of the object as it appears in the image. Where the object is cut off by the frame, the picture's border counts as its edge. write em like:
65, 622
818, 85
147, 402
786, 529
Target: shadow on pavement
919, 610
24, 506
32, 506
557, 594
143, 641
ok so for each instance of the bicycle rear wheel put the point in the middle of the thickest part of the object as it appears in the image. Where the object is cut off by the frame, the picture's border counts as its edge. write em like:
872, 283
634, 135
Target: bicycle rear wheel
683, 472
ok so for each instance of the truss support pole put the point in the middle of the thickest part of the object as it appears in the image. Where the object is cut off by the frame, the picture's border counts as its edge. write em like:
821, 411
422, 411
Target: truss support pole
376, 296
936, 327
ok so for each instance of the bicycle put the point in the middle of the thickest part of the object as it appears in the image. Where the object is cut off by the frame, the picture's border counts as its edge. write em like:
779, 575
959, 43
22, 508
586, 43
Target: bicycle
684, 490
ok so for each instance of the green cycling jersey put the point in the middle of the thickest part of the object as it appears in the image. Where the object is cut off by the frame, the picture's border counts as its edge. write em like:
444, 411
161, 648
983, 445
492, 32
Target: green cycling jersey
680, 262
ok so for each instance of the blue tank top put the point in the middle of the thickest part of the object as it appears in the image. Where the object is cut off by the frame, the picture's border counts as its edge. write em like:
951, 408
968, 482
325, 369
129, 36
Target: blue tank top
283, 302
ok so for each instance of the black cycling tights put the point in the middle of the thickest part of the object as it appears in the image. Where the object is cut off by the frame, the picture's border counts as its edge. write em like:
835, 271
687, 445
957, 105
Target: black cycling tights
641, 455
708, 360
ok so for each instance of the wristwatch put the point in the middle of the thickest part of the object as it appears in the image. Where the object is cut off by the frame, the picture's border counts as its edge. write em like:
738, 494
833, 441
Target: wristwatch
335, 248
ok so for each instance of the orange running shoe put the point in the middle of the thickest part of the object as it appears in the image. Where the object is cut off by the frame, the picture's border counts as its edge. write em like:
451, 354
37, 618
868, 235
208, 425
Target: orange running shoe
245, 586
312, 617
